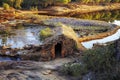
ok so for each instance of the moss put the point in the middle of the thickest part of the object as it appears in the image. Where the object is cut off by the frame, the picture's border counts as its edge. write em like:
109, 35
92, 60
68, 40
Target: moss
45, 33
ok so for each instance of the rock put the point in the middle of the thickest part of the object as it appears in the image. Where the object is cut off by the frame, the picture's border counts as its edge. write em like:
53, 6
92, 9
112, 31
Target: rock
47, 72
77, 53
5, 47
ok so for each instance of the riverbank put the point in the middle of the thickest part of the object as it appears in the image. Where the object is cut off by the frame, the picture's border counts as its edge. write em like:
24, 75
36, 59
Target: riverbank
76, 8
52, 11
99, 36
85, 29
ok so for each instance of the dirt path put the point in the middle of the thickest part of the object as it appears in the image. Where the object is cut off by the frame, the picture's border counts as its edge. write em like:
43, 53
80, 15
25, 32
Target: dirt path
29, 70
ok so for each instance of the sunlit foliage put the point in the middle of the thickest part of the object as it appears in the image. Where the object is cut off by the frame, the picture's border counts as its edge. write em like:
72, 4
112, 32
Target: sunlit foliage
44, 3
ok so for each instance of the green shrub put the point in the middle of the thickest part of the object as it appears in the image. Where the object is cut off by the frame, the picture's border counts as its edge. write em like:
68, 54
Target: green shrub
6, 6
99, 59
73, 69
47, 32
102, 62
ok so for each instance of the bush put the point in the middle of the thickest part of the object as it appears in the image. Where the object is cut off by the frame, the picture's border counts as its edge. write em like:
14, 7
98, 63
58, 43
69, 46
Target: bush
99, 59
47, 32
6, 6
73, 69
102, 62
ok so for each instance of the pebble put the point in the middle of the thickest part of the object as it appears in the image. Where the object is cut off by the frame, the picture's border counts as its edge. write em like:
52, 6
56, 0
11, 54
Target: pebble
47, 72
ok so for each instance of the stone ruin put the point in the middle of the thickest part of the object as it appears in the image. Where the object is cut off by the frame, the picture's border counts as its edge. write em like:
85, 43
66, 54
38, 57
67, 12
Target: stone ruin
63, 42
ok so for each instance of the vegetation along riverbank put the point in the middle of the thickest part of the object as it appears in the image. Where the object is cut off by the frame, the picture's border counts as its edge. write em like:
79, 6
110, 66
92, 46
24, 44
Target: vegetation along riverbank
42, 39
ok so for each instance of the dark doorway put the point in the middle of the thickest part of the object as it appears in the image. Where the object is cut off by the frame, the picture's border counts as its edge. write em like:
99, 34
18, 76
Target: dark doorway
58, 49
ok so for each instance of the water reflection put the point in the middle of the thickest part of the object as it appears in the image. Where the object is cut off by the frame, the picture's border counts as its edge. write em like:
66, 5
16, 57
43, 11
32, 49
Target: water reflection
5, 58
108, 16
23, 37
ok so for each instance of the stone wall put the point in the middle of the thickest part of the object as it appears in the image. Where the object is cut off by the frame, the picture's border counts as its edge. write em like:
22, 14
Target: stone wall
67, 48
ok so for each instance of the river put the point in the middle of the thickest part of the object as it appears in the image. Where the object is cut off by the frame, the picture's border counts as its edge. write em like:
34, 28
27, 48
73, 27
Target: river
23, 36
109, 16
29, 35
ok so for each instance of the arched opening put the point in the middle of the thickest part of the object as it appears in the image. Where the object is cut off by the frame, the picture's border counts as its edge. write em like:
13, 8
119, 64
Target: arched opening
58, 49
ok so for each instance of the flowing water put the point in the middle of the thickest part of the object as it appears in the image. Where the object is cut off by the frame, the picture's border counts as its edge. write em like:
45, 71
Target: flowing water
89, 44
109, 16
